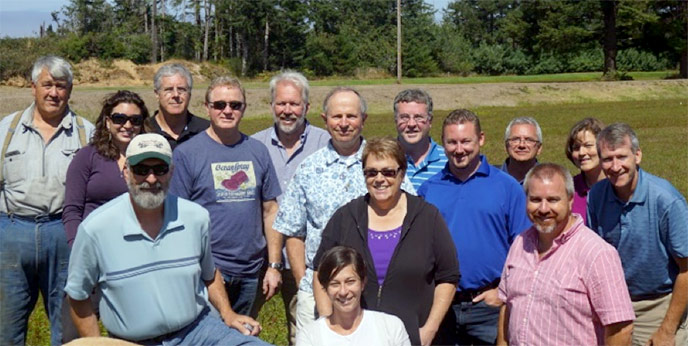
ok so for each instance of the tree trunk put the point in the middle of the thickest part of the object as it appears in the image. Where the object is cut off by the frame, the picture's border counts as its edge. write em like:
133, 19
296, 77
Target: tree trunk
162, 30
609, 10
197, 13
266, 43
217, 46
683, 71
243, 42
207, 8
154, 34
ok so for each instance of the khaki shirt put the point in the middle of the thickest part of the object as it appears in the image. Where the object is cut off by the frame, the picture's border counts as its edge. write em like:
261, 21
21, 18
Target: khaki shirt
35, 171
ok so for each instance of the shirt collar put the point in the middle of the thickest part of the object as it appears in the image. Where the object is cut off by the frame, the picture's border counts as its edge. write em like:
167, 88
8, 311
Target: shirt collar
170, 218
639, 195
27, 117
275, 139
577, 225
332, 156
434, 154
483, 170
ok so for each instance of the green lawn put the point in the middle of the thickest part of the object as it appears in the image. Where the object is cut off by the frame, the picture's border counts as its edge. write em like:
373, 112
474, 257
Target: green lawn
662, 127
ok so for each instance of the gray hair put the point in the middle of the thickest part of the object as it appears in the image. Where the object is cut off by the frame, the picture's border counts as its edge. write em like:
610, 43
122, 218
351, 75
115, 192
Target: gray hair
615, 135
547, 171
298, 79
58, 68
226, 81
523, 121
413, 95
364, 104
169, 70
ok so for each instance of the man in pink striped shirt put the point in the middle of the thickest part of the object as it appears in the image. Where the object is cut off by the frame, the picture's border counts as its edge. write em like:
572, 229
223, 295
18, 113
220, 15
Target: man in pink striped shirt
561, 284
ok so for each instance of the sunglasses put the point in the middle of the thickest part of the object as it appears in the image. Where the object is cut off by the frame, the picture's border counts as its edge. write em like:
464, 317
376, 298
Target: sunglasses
121, 119
221, 105
386, 172
144, 170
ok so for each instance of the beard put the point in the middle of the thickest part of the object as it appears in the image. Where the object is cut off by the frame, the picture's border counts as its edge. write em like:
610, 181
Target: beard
289, 129
545, 229
146, 199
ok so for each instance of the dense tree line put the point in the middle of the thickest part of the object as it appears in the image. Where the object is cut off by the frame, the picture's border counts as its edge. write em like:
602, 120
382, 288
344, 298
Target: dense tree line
346, 37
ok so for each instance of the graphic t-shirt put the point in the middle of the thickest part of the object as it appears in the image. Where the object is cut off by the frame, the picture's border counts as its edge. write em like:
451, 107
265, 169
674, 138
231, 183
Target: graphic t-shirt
231, 181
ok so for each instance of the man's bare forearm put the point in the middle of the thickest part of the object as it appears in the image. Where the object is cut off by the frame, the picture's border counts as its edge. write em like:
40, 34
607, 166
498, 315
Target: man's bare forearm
273, 238
217, 295
84, 317
618, 334
296, 252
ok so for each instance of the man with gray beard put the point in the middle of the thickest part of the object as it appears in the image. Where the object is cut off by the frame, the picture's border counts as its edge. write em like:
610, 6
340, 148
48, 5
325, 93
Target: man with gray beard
147, 252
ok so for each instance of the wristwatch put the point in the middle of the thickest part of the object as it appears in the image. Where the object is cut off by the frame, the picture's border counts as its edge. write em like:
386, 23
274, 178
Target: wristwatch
276, 265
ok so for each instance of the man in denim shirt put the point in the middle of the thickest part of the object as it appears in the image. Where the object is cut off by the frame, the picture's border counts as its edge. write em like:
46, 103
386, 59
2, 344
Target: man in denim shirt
38, 145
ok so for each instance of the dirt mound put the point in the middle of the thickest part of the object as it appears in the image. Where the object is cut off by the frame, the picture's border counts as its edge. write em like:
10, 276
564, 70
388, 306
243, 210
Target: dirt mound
94, 72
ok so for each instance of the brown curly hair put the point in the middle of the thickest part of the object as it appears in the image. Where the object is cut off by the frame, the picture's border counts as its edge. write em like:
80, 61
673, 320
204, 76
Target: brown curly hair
102, 140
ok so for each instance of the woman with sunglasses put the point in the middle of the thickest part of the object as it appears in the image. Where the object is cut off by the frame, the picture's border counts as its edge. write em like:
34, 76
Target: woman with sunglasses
95, 175
581, 149
413, 269
342, 275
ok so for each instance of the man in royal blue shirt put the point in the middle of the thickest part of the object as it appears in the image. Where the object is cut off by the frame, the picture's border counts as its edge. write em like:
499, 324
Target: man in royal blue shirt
485, 210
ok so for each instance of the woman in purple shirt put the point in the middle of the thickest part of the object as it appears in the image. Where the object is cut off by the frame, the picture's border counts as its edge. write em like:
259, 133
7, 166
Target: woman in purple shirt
94, 176
414, 268
581, 149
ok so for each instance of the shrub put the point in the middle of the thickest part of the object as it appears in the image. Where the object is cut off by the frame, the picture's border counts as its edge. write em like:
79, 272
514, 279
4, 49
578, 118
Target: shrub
635, 60
586, 61
547, 64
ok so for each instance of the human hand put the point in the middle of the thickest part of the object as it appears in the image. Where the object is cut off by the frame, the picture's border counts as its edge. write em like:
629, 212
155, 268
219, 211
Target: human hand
271, 282
491, 298
427, 334
661, 337
244, 324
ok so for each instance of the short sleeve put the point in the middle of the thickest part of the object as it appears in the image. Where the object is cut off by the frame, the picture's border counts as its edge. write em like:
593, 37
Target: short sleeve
83, 269
271, 188
607, 285
675, 221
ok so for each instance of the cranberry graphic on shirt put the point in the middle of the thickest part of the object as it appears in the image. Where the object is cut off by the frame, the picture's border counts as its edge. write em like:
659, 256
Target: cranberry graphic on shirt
234, 181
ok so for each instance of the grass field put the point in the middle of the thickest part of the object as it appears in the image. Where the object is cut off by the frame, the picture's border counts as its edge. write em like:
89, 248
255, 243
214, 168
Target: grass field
661, 125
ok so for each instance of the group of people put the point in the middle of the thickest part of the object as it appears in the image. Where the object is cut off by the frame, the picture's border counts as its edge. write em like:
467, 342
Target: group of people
173, 229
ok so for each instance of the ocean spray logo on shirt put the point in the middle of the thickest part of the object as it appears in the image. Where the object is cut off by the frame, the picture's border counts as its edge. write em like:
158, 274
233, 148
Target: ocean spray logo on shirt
234, 181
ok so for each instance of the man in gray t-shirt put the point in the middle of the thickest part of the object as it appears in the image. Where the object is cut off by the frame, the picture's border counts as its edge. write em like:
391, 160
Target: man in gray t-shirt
37, 146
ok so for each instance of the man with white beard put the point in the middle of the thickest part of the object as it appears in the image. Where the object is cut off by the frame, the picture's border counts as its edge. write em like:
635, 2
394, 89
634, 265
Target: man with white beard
290, 140
147, 251
561, 284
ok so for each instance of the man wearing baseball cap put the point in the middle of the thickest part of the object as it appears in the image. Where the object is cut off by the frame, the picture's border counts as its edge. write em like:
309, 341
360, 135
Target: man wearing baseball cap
147, 252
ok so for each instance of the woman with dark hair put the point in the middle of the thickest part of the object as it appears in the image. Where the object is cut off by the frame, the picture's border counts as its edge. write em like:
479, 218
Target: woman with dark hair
342, 275
413, 267
95, 174
581, 149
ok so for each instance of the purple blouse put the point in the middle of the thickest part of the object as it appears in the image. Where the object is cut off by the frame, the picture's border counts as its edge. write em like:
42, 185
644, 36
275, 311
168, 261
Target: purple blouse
580, 197
92, 180
382, 245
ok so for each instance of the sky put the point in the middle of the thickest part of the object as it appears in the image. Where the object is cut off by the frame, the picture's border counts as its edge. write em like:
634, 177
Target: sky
23, 18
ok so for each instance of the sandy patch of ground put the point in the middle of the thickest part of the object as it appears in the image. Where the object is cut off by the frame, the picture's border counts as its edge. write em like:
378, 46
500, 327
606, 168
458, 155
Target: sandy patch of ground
86, 97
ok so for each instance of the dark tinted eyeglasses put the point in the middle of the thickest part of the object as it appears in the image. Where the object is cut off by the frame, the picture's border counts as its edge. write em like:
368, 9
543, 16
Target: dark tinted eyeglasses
221, 105
121, 119
386, 172
144, 170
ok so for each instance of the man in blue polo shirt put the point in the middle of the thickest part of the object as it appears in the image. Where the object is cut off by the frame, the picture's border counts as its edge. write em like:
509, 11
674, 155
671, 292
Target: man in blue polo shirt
413, 118
485, 210
646, 219
147, 252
